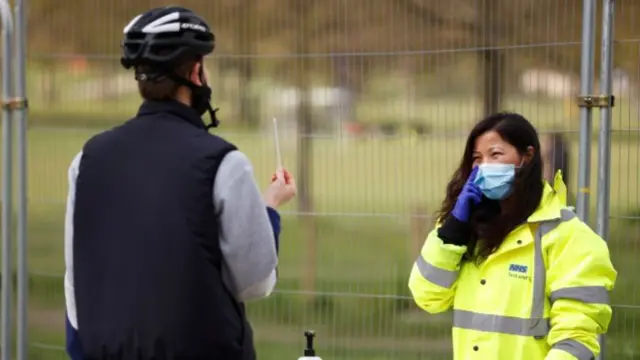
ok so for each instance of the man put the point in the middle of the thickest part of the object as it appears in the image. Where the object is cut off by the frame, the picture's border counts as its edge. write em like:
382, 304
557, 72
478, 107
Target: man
166, 233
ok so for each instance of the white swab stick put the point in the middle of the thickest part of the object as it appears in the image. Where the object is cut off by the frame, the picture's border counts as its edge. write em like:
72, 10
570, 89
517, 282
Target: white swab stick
277, 143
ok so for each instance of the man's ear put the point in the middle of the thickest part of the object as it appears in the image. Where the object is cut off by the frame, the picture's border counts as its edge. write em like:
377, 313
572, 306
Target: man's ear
194, 77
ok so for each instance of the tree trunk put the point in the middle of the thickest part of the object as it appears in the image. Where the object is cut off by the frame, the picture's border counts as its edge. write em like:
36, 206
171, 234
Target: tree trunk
491, 59
492, 79
305, 151
248, 106
246, 40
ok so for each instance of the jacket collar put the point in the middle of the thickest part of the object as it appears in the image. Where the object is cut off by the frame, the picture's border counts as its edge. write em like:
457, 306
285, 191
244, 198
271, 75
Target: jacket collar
554, 199
150, 107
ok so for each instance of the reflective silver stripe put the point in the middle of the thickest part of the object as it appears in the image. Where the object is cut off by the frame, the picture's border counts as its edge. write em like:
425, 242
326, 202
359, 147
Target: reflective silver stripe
441, 277
500, 324
539, 268
536, 325
574, 348
586, 294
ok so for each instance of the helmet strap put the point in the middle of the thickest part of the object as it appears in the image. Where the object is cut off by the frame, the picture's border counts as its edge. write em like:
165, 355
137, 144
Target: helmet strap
200, 97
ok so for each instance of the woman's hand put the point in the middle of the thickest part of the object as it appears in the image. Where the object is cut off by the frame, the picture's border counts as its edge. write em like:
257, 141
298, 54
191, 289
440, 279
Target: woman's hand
469, 197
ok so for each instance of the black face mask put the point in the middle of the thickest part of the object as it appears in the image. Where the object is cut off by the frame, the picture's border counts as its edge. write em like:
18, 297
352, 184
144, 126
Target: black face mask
201, 99
200, 96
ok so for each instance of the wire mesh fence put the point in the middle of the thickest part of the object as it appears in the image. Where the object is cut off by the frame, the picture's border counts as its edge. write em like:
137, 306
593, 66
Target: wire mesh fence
624, 240
374, 99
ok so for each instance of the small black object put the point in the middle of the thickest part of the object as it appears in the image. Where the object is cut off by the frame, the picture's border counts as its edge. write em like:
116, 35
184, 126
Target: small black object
309, 351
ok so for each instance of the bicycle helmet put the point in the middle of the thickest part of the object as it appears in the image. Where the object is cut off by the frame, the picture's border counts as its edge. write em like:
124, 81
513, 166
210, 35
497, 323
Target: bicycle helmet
165, 37
162, 39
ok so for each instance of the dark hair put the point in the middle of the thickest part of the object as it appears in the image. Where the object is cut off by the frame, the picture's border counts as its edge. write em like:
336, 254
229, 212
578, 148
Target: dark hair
493, 227
165, 88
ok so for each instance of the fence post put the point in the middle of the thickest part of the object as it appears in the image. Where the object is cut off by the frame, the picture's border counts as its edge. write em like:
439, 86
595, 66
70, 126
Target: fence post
21, 121
604, 137
586, 86
7, 191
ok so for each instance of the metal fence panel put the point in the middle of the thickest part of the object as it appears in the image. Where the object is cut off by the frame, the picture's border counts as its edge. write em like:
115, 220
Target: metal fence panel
7, 183
624, 234
374, 99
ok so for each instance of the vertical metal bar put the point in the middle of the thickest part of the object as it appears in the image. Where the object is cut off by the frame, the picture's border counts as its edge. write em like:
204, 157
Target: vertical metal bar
586, 87
21, 122
604, 138
7, 207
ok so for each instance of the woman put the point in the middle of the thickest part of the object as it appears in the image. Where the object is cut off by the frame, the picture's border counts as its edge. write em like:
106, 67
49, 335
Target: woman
525, 277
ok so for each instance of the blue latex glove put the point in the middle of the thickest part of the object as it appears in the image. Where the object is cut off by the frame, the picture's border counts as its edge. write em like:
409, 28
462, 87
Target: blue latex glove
469, 197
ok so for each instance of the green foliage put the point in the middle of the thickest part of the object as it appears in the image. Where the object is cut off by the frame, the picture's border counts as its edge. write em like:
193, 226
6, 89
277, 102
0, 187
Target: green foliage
274, 27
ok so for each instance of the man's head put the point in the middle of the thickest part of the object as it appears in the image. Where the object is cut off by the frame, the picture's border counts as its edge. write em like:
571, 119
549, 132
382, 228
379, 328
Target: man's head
166, 47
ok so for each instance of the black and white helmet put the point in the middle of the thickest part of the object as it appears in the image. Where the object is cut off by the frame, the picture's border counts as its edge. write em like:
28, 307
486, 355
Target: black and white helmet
165, 37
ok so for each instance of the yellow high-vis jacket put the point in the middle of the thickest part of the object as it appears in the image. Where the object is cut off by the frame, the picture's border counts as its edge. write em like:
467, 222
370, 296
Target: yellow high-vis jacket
543, 295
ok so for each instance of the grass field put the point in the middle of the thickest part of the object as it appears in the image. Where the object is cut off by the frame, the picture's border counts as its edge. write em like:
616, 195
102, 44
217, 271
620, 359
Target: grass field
364, 192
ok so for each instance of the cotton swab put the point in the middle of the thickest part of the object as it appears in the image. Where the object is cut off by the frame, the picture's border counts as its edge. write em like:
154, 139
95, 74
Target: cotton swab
277, 144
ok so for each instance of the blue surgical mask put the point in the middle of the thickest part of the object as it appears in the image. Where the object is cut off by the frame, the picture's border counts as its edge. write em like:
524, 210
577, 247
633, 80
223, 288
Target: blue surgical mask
495, 179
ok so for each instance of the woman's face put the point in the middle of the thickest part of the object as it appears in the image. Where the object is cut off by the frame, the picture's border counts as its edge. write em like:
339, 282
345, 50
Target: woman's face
491, 148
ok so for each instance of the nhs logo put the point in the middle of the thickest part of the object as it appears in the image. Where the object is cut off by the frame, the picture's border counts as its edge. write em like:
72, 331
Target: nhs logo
518, 271
522, 269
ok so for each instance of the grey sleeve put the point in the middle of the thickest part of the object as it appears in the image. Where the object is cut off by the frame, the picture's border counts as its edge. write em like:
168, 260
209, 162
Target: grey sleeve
246, 237
69, 287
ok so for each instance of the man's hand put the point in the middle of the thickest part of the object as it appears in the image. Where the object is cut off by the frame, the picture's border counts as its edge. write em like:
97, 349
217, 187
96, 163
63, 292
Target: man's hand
282, 189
